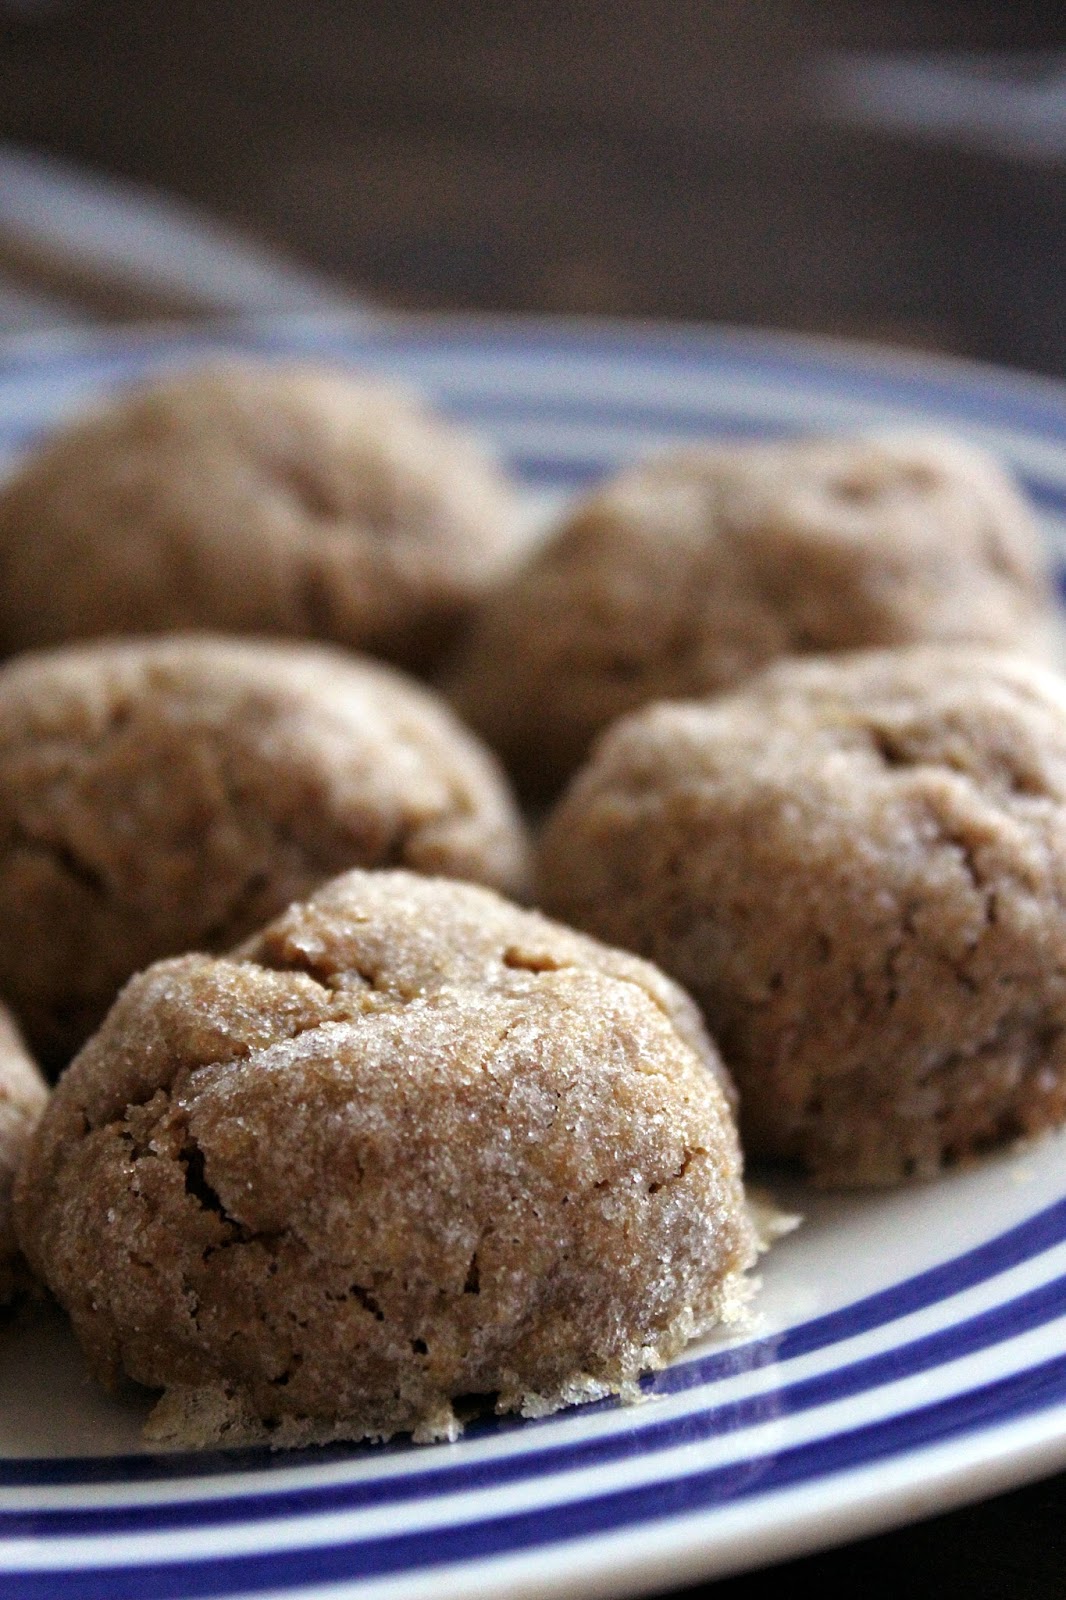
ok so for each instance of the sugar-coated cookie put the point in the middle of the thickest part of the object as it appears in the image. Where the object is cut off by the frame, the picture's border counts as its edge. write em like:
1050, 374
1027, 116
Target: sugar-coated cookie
684, 576
409, 1143
857, 866
248, 497
166, 795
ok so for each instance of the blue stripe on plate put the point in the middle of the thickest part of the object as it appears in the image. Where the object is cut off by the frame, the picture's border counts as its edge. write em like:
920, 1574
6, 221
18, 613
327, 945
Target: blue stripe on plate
489, 410
959, 388
1005, 1400
1012, 1248
954, 389
479, 397
1029, 1311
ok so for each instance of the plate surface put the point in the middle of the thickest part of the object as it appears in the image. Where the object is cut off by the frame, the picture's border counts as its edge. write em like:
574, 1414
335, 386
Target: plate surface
910, 1347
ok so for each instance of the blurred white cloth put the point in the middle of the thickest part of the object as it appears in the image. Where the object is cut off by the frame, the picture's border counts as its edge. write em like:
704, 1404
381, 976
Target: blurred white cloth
1009, 104
76, 247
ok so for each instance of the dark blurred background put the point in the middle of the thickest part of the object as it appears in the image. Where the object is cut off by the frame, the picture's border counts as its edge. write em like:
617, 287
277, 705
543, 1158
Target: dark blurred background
756, 161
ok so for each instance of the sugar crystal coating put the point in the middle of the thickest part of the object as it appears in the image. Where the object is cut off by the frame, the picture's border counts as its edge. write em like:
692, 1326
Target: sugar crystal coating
165, 795
254, 497
409, 1143
687, 574
857, 866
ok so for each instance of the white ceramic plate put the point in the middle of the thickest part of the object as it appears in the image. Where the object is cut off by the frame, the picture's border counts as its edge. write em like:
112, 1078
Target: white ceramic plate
910, 1353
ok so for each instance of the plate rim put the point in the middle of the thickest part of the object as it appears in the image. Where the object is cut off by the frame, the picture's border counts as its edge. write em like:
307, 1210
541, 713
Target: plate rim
462, 326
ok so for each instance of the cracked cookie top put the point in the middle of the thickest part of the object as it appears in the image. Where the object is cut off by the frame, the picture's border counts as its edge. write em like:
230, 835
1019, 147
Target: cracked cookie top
254, 498
686, 575
409, 1143
858, 868
167, 795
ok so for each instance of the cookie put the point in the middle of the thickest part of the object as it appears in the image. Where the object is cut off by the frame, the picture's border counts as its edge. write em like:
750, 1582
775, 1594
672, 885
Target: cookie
409, 1143
254, 498
686, 575
23, 1094
166, 795
858, 868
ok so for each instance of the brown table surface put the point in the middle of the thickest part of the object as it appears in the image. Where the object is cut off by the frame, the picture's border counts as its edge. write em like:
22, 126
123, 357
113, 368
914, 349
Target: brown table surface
665, 158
